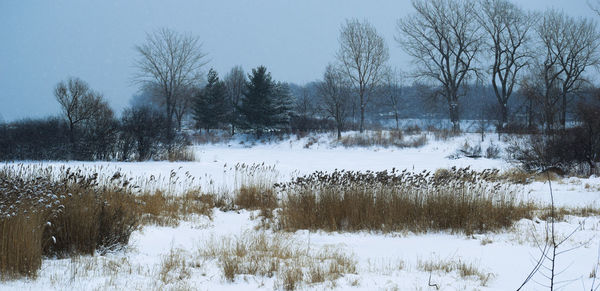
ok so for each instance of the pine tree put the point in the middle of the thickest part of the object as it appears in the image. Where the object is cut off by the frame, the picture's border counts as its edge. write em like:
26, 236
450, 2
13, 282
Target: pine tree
266, 105
283, 102
210, 108
256, 103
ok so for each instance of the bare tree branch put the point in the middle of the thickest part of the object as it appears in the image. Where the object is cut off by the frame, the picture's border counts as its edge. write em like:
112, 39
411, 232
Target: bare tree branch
173, 62
363, 55
444, 41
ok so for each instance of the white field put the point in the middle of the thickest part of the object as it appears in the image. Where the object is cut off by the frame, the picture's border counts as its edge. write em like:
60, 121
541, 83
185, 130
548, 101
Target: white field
384, 261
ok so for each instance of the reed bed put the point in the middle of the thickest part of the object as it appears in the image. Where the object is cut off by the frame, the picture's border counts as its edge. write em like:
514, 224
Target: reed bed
42, 214
458, 200
393, 138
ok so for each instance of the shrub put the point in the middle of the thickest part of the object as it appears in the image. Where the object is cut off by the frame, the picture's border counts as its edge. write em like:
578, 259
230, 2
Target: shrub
492, 152
565, 151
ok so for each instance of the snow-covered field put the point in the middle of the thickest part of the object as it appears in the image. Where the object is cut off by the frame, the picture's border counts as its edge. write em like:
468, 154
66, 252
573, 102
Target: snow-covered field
383, 261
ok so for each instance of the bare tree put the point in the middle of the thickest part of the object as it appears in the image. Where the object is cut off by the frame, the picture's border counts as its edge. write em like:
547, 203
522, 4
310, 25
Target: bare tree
78, 103
570, 46
182, 104
173, 62
235, 82
507, 27
334, 91
540, 87
579, 41
363, 55
444, 40
393, 92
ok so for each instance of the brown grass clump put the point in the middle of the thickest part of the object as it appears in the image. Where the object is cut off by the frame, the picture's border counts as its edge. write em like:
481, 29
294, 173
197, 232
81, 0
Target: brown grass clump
56, 214
279, 256
256, 198
520, 176
386, 139
464, 270
212, 137
181, 154
254, 187
174, 267
20, 245
443, 134
92, 216
460, 200
161, 209
517, 176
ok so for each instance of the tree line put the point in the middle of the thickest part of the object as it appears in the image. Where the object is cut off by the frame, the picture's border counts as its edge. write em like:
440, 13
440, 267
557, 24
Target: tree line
533, 64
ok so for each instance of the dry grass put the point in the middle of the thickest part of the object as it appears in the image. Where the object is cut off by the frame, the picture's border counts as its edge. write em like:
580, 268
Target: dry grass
458, 200
181, 154
279, 256
46, 215
255, 198
212, 137
463, 269
162, 209
517, 176
385, 139
443, 134
254, 188
561, 212
174, 267
20, 245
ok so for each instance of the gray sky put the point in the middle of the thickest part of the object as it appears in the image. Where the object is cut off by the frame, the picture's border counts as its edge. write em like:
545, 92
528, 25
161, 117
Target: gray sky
44, 42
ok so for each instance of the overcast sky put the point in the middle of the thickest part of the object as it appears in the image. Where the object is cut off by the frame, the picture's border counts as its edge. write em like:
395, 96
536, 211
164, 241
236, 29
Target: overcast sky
43, 42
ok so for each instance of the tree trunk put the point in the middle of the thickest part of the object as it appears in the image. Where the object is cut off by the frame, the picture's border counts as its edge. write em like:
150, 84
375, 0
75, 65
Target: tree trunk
362, 117
563, 113
339, 132
169, 125
454, 117
397, 122
504, 109
71, 141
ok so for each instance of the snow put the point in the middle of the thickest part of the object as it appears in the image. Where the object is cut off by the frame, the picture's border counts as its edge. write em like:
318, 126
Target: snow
385, 261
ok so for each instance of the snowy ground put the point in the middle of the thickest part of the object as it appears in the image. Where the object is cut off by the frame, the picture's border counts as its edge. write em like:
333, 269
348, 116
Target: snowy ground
384, 261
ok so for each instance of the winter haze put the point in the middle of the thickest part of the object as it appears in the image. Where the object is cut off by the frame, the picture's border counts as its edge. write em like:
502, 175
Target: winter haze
44, 42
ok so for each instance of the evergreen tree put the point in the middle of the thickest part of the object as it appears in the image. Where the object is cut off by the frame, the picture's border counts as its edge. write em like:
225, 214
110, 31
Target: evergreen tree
283, 102
210, 107
266, 105
256, 102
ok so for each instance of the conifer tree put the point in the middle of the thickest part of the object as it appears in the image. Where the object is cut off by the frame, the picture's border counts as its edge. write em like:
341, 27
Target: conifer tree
283, 102
266, 104
210, 108
256, 103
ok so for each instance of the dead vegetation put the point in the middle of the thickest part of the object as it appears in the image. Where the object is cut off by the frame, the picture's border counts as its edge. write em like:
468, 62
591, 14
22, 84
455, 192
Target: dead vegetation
160, 208
458, 200
277, 255
394, 138
46, 215
464, 269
